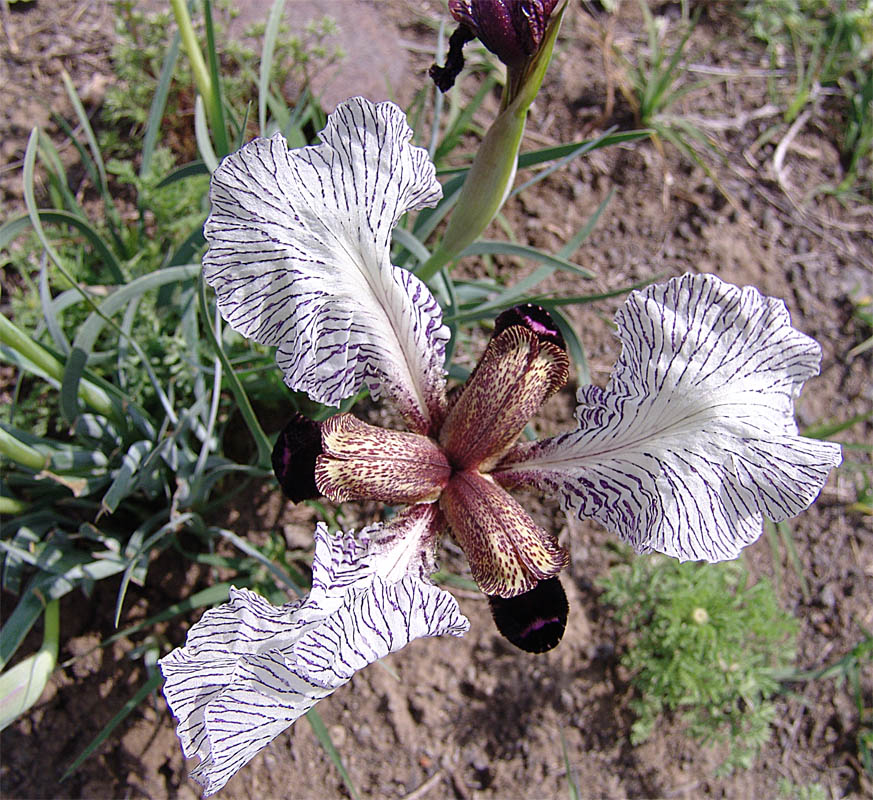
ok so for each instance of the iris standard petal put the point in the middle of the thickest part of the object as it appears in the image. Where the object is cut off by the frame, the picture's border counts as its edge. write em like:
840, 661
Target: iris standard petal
694, 439
249, 669
299, 258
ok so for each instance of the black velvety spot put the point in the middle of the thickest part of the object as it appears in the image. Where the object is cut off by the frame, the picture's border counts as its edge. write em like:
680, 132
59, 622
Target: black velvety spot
534, 318
444, 77
534, 621
297, 447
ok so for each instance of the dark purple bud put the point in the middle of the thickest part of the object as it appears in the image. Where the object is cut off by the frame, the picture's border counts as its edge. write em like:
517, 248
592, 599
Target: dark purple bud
511, 29
533, 621
535, 318
294, 454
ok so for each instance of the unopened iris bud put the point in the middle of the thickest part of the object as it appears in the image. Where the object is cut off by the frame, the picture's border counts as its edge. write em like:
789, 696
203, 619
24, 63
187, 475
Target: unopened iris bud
522, 33
511, 29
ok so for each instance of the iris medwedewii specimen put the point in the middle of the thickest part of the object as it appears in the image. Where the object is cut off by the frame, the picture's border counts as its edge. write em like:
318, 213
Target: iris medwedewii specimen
690, 444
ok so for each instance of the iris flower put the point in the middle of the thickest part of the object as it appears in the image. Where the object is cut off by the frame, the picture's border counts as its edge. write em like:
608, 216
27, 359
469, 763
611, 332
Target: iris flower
691, 443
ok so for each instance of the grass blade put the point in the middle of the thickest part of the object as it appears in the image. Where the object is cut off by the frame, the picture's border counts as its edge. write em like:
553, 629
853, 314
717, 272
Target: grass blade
127, 476
462, 123
484, 247
82, 116
265, 448
321, 733
218, 121
174, 526
412, 243
270, 34
33, 211
572, 785
212, 596
575, 348
18, 225
23, 618
144, 691
535, 157
828, 429
581, 150
250, 550
90, 330
159, 104
69, 396
51, 320
201, 134
185, 171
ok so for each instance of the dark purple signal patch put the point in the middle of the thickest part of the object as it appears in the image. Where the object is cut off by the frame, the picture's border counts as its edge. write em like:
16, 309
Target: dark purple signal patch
294, 454
535, 319
533, 621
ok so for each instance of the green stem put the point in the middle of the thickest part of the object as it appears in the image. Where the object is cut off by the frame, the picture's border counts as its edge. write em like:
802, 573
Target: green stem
490, 177
219, 128
17, 340
10, 505
485, 189
51, 629
195, 55
21, 453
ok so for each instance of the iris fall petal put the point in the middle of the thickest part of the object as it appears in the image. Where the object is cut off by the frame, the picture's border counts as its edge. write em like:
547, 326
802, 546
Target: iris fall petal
693, 440
249, 669
508, 552
299, 258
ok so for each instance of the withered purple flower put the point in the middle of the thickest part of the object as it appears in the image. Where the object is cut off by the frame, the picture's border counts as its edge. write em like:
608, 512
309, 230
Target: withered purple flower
690, 444
511, 29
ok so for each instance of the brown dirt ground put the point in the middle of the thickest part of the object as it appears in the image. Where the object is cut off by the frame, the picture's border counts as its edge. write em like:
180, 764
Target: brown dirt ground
473, 718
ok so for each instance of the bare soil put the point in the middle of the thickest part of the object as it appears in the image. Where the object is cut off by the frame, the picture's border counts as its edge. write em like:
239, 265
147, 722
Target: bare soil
474, 718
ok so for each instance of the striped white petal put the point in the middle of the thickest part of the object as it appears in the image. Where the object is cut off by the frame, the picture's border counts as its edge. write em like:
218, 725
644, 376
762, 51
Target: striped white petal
249, 669
693, 439
299, 258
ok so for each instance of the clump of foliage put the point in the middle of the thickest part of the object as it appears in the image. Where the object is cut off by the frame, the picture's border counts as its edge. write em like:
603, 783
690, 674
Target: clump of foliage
143, 39
706, 644
851, 670
811, 791
825, 43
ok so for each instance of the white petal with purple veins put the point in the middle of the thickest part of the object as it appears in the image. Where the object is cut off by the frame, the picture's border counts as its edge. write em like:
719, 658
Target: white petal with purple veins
693, 439
299, 258
249, 669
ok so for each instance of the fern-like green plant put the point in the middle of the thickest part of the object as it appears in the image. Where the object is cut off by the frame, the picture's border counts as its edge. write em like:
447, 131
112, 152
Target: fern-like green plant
706, 644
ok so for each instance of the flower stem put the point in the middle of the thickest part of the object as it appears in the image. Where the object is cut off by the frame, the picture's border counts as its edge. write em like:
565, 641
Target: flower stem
195, 56
21, 453
20, 342
492, 173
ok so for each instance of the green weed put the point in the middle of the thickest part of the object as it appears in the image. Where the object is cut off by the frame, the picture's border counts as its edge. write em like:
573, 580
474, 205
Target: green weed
143, 40
827, 45
704, 644
851, 669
